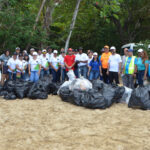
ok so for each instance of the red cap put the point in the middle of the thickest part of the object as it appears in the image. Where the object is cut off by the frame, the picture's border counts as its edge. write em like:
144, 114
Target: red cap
70, 49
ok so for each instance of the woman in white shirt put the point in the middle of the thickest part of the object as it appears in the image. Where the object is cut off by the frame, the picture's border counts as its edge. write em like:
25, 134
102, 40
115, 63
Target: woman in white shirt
34, 68
54, 62
12, 67
21, 67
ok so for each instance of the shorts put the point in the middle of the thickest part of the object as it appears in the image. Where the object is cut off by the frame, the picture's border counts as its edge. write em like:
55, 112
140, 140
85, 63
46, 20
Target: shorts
5, 70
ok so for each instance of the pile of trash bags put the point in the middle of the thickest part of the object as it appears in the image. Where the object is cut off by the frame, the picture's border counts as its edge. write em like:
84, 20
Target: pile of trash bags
82, 92
25, 89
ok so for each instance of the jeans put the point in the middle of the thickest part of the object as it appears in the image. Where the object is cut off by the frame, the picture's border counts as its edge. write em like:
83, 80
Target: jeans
12, 76
82, 71
56, 76
140, 77
34, 77
76, 72
128, 80
27, 77
44, 73
63, 74
94, 74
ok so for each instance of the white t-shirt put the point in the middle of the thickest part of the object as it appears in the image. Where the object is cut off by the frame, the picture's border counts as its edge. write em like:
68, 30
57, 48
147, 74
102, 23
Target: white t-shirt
44, 61
30, 57
50, 56
12, 64
34, 64
55, 62
89, 60
114, 61
21, 64
61, 60
81, 57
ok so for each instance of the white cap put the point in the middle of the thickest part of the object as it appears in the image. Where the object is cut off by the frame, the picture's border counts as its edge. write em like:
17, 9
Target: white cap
18, 48
113, 47
32, 49
24, 51
35, 54
95, 54
55, 51
140, 50
44, 50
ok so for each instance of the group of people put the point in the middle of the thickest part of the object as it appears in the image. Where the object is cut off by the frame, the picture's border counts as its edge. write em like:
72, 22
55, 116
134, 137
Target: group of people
109, 66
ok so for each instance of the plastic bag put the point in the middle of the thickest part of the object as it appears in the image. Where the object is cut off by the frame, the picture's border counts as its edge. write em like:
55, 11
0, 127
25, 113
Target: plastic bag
71, 75
3, 93
10, 96
98, 85
140, 98
80, 84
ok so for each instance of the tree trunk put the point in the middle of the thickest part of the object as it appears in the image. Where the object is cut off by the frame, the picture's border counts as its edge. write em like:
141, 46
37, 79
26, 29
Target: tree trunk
72, 24
36, 20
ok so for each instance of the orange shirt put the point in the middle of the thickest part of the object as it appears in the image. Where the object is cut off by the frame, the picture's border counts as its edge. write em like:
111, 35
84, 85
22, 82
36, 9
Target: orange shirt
104, 60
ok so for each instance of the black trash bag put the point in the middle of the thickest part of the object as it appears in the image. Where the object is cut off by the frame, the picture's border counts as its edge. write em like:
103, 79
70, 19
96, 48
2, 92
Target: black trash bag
140, 98
10, 96
98, 85
65, 94
9, 86
3, 93
119, 91
53, 88
39, 95
89, 99
108, 92
1, 88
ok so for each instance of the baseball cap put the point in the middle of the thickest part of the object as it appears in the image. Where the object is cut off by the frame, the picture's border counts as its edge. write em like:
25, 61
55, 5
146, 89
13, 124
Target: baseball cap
140, 50
106, 46
55, 51
18, 48
32, 49
24, 51
80, 48
15, 53
70, 49
44, 50
95, 54
35, 54
130, 50
113, 47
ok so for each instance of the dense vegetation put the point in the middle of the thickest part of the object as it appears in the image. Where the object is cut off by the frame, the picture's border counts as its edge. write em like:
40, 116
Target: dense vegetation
99, 22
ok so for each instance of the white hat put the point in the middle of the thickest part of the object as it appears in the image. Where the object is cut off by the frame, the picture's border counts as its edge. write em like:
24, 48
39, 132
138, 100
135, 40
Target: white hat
55, 51
17, 48
44, 50
32, 49
35, 54
24, 51
140, 50
95, 54
113, 47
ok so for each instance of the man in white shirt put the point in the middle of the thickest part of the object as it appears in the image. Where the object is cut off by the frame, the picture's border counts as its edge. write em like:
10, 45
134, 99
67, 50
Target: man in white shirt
31, 53
44, 64
82, 60
12, 62
114, 66
54, 62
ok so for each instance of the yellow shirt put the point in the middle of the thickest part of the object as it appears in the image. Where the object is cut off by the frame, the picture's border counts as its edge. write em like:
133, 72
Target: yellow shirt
104, 60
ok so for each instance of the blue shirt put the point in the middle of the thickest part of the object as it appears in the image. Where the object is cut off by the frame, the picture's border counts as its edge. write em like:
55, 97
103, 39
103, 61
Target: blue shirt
128, 63
140, 64
95, 65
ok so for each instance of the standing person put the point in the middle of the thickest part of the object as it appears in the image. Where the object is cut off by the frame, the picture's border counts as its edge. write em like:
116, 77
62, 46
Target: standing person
21, 67
114, 66
104, 60
12, 62
94, 68
4, 59
49, 52
130, 70
24, 53
54, 63
102, 51
75, 52
18, 51
62, 66
31, 53
82, 60
34, 68
44, 64
142, 66
124, 58
69, 60
26, 58
90, 57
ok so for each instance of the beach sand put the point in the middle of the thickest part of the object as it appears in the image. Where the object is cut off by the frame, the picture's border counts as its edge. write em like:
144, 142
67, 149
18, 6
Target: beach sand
55, 125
